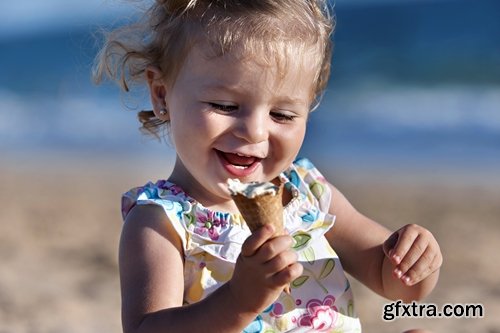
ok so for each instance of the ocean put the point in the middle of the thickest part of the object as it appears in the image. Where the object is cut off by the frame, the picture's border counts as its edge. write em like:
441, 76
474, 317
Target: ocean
413, 83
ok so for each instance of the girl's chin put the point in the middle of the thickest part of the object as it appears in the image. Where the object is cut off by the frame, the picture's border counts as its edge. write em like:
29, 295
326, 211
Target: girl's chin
225, 191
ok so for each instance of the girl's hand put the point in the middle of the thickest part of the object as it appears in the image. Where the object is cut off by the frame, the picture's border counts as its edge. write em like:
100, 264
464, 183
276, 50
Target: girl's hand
414, 253
266, 264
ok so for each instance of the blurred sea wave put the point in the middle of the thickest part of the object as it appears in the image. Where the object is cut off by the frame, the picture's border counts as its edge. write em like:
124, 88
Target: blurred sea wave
458, 122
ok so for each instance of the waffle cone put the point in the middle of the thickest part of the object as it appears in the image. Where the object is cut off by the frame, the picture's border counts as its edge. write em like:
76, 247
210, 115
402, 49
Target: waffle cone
262, 210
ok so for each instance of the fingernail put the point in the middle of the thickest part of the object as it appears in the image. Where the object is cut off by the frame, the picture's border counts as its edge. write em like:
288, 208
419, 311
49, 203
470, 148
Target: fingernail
406, 279
396, 258
398, 272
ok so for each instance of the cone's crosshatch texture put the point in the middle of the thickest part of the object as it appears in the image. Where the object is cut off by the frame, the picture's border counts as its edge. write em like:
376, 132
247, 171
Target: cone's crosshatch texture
262, 209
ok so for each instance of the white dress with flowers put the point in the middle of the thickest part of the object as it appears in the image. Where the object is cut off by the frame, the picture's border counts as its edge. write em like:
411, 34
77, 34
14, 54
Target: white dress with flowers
320, 300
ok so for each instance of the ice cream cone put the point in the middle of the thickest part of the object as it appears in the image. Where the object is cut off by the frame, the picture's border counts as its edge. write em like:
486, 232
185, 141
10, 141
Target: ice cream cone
261, 210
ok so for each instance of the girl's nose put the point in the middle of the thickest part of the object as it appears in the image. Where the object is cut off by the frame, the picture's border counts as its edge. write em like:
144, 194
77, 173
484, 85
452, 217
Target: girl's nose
252, 126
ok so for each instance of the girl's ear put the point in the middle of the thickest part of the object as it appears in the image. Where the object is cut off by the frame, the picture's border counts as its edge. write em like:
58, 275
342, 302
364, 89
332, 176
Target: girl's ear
158, 92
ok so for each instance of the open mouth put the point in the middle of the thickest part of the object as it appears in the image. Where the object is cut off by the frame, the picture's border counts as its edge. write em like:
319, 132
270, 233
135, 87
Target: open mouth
238, 165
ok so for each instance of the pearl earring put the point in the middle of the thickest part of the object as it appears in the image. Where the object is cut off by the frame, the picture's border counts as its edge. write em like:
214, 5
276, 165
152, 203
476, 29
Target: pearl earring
163, 111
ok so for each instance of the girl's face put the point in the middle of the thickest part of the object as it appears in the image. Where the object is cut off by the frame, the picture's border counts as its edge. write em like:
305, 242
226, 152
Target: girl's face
234, 118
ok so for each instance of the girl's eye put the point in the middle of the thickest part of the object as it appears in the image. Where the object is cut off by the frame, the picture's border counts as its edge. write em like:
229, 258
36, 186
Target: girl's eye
223, 107
282, 117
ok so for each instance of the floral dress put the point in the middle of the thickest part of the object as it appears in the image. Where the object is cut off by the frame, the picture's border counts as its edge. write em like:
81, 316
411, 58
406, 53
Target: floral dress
320, 299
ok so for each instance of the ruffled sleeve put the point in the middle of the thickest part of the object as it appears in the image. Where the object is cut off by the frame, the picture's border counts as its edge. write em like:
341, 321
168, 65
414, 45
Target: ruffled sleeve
154, 194
308, 179
200, 229
307, 217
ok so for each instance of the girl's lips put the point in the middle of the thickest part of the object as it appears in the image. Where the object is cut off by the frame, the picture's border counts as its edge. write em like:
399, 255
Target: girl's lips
238, 165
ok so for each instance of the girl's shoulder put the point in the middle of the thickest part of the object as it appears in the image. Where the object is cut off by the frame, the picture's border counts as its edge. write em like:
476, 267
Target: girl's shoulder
196, 224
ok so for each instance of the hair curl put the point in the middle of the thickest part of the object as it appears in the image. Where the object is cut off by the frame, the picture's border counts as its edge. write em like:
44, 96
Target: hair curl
276, 29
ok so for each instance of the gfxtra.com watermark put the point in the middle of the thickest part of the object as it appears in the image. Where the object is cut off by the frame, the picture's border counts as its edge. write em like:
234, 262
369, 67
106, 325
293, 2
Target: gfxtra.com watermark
398, 309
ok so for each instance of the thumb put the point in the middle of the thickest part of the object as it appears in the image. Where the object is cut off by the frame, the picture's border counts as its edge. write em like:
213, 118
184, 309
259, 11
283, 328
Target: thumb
390, 243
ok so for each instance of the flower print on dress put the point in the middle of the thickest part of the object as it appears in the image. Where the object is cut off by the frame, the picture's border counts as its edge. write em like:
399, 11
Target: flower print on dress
209, 223
255, 326
150, 191
212, 241
176, 189
321, 316
304, 163
170, 189
310, 215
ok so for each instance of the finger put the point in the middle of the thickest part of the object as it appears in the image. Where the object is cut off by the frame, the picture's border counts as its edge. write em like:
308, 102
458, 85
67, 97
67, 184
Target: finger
287, 275
390, 243
406, 237
425, 265
273, 247
417, 249
256, 240
281, 261
418, 273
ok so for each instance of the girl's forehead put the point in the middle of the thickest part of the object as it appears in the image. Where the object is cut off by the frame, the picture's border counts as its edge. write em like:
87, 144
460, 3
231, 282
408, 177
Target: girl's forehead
281, 59
241, 67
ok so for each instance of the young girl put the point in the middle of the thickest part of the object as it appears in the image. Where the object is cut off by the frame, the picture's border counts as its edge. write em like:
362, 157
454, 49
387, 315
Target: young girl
234, 83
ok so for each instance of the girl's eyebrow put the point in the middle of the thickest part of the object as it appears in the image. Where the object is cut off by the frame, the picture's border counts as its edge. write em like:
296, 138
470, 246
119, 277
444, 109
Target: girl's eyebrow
216, 87
291, 100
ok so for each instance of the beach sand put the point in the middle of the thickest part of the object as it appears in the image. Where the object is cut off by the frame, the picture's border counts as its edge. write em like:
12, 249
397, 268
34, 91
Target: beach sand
60, 225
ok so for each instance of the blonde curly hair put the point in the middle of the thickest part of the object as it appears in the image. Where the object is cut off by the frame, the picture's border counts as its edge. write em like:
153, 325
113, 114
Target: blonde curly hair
275, 30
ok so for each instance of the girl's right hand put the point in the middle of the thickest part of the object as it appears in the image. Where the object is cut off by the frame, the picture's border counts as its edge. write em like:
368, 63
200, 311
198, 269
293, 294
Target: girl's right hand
267, 264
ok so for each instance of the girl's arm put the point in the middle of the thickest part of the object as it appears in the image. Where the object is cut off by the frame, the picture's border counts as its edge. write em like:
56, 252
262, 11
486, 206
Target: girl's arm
404, 265
152, 279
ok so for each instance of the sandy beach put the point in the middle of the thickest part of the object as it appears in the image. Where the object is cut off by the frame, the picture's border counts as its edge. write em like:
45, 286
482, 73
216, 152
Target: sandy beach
60, 225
